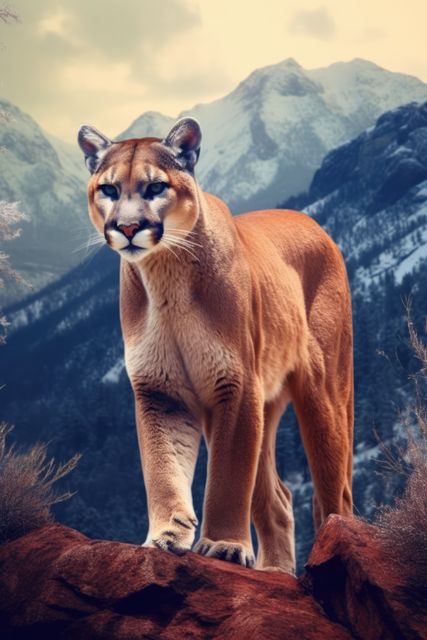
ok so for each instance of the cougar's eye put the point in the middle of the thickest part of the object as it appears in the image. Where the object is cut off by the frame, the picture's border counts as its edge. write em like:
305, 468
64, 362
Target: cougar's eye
110, 191
154, 189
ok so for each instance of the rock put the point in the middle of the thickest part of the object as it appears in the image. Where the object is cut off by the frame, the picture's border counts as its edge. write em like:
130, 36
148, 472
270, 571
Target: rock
57, 584
359, 585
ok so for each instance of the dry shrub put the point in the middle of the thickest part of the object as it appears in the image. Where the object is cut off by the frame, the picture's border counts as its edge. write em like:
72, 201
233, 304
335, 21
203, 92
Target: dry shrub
27, 491
403, 526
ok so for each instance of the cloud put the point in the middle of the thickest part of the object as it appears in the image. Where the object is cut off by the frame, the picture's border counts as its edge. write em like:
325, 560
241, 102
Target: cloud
317, 23
189, 67
53, 24
87, 55
119, 30
371, 34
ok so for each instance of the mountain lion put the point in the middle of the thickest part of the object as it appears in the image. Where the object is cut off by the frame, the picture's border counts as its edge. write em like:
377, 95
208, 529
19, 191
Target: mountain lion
225, 320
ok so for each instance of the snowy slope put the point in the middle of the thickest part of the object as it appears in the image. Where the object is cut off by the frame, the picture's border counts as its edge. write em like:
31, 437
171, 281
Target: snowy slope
43, 174
354, 88
264, 140
371, 195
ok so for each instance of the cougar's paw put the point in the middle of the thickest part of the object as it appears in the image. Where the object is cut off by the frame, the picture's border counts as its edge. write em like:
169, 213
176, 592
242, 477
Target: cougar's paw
175, 536
225, 550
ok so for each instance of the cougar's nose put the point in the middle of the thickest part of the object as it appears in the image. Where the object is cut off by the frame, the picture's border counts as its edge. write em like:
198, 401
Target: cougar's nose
129, 229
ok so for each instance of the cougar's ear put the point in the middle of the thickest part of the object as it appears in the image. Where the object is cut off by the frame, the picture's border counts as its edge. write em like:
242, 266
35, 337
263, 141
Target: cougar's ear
93, 144
185, 138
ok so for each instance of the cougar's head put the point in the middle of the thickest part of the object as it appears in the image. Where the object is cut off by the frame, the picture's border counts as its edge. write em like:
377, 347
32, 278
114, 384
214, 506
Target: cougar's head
142, 193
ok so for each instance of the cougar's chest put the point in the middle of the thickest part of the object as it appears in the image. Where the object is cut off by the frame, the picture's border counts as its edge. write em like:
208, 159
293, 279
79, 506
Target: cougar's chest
177, 353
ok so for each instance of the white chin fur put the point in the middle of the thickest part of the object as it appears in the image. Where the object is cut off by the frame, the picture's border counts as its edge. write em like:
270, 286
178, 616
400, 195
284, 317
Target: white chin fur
133, 257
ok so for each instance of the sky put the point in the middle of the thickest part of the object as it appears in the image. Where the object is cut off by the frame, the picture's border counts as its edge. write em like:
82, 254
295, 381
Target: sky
105, 62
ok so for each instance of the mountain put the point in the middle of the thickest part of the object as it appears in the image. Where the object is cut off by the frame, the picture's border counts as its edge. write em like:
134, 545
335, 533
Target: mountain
371, 194
263, 141
63, 364
261, 144
43, 174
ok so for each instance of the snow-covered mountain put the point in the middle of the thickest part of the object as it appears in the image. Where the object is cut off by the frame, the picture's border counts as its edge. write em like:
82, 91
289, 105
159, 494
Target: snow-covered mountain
261, 144
371, 195
264, 140
64, 354
43, 174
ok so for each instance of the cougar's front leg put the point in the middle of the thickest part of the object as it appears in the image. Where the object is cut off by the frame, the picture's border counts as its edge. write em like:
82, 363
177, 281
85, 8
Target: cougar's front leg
234, 438
169, 439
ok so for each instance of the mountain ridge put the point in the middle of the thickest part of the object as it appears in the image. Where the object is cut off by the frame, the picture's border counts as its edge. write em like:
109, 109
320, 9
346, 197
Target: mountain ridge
262, 142
379, 182
41, 174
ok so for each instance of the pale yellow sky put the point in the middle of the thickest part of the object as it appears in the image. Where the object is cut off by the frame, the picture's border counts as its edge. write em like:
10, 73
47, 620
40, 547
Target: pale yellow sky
106, 62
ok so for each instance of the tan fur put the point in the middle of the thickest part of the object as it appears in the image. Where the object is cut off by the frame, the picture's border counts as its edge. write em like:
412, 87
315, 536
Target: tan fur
219, 335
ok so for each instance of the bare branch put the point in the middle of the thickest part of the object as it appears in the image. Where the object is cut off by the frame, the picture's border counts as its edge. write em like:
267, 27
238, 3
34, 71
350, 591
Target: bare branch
8, 15
10, 215
5, 117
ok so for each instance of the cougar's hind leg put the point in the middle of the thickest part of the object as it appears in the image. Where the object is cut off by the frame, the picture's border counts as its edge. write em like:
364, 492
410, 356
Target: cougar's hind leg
272, 501
323, 401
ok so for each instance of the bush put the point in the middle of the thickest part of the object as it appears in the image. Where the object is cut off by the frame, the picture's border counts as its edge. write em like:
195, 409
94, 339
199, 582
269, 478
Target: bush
27, 489
403, 526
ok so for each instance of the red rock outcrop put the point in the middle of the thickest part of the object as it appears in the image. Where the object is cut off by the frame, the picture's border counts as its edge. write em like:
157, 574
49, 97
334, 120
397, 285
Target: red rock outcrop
57, 584
360, 585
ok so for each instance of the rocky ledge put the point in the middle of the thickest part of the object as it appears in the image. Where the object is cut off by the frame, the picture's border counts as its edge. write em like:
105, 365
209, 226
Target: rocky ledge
57, 584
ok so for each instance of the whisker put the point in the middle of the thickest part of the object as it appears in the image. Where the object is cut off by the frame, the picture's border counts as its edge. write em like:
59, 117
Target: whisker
187, 233
189, 243
90, 242
168, 247
182, 245
188, 251
95, 234
86, 245
97, 240
82, 233
175, 242
89, 259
